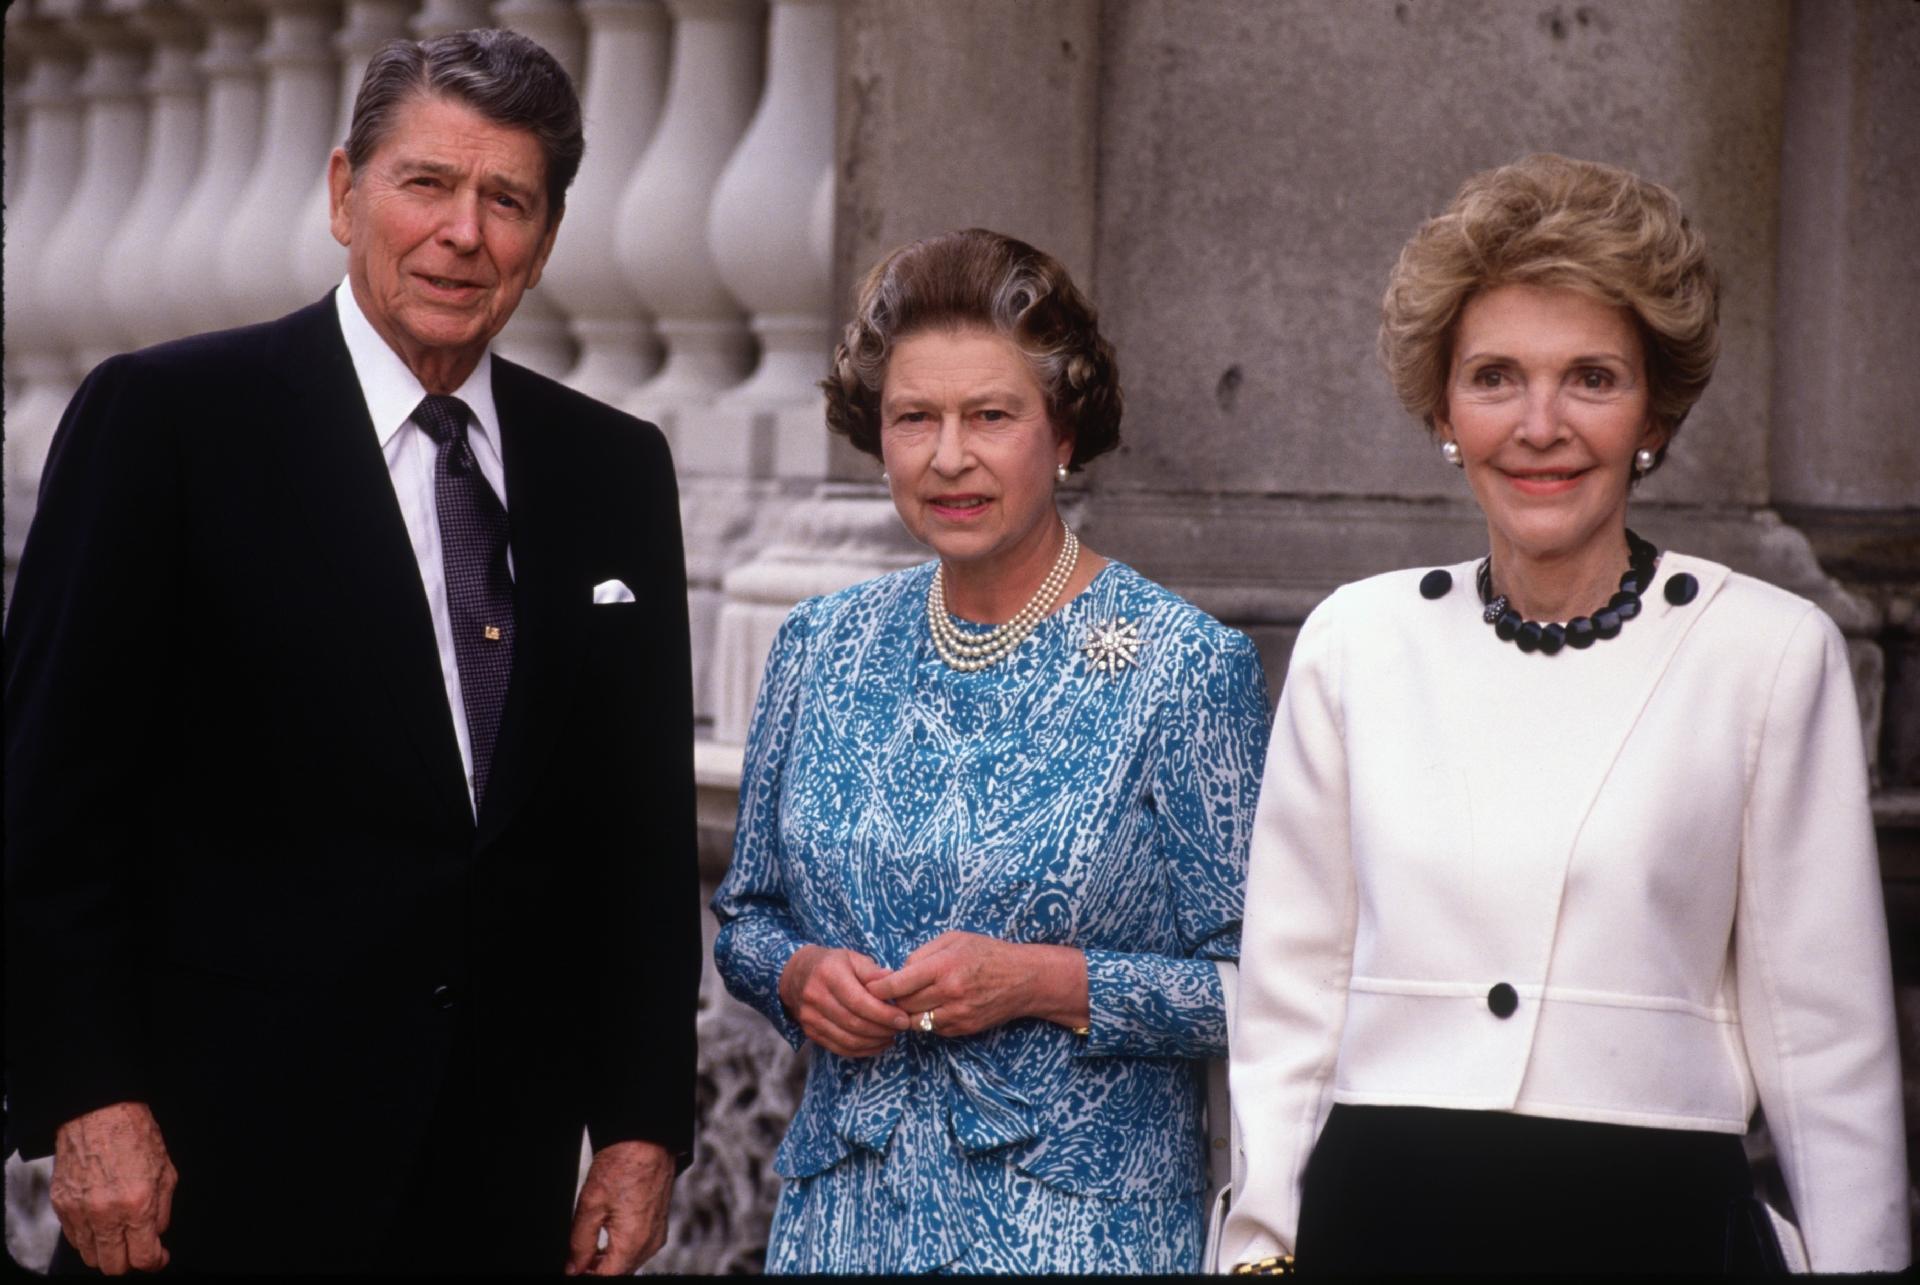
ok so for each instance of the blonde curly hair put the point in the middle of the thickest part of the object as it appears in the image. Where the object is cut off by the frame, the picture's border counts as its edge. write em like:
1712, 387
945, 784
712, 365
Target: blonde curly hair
1550, 220
979, 278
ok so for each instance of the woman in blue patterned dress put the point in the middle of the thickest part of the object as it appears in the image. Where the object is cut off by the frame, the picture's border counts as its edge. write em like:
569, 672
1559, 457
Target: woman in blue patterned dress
993, 820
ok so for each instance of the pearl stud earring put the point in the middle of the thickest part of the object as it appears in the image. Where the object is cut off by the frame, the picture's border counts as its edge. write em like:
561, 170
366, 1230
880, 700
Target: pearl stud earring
1643, 462
1060, 472
1450, 452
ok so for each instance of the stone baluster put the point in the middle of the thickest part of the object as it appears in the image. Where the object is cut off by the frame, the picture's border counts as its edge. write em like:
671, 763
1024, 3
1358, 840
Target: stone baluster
438, 17
43, 119
14, 103
662, 240
230, 146
38, 361
761, 232
111, 162
539, 336
254, 268
626, 76
553, 23
70, 326
174, 89
319, 261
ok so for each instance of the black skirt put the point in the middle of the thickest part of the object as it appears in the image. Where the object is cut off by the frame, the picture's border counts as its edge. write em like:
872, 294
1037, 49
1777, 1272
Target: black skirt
1413, 1189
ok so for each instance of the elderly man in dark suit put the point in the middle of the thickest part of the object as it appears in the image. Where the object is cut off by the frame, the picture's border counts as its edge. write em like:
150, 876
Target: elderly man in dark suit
349, 802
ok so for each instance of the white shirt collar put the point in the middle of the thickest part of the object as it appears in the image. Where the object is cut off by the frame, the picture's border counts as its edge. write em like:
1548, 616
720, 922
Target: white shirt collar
392, 391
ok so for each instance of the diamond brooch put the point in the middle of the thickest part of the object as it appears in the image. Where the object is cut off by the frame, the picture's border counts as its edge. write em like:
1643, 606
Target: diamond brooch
1113, 646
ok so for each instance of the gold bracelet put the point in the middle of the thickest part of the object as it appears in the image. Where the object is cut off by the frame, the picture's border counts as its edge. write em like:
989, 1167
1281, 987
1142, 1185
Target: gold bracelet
1278, 1265
1081, 1031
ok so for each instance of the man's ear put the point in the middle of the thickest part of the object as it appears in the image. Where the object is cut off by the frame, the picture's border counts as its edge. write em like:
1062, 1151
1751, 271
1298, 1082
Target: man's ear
339, 190
546, 248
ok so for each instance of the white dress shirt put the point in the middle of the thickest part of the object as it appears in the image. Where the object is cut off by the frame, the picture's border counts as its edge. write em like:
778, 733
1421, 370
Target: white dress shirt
392, 393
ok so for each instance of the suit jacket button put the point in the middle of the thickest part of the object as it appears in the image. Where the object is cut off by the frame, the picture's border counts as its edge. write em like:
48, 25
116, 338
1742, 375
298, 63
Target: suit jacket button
1682, 589
1502, 1000
443, 997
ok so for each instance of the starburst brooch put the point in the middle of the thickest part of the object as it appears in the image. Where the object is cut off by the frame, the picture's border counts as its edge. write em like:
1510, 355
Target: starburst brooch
1113, 646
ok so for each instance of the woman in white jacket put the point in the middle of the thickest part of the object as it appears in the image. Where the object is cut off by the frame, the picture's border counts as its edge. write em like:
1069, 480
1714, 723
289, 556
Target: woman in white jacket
1563, 863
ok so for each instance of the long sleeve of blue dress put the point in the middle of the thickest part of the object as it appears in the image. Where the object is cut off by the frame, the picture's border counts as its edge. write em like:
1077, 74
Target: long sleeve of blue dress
1204, 781
758, 934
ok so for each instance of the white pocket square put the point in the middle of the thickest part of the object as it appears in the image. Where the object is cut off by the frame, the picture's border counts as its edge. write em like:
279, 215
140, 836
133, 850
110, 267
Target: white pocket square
612, 591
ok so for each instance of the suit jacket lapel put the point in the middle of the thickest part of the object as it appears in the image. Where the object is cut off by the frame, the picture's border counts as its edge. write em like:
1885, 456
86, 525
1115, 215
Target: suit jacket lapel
332, 462
550, 600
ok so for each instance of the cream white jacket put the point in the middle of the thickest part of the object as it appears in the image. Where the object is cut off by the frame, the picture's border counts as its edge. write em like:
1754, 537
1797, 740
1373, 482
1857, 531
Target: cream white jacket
1662, 843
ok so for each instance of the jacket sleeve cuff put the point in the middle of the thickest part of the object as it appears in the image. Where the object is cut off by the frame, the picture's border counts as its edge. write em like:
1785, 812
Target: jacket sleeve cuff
675, 1139
751, 954
1144, 1005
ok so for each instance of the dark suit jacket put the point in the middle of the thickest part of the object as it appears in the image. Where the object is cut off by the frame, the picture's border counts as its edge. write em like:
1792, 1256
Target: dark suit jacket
244, 883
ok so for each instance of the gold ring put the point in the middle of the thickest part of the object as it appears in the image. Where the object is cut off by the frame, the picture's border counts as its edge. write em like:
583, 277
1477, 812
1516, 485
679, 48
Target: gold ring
926, 1021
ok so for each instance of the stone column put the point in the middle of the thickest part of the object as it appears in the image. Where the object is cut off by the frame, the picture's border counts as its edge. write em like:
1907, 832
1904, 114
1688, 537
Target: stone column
760, 231
66, 284
14, 160
256, 262
764, 229
319, 261
626, 80
662, 238
111, 150
1848, 271
174, 89
1844, 463
660, 246
231, 145
39, 365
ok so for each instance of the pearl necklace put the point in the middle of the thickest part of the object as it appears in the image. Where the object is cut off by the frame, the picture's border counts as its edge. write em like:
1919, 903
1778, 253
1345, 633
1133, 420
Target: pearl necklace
969, 652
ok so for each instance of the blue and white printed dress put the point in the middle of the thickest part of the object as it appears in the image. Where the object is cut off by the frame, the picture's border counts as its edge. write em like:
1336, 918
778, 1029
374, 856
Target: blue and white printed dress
887, 799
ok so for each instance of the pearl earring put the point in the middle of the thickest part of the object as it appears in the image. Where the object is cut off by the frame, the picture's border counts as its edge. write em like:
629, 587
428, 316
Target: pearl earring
1060, 472
884, 479
1450, 452
1643, 461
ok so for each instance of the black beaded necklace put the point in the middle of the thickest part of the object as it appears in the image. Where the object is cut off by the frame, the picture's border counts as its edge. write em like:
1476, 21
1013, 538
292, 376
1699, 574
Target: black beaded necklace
1582, 631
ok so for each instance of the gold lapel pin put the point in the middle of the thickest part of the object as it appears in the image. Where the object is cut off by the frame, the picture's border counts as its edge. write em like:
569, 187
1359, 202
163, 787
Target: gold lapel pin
492, 632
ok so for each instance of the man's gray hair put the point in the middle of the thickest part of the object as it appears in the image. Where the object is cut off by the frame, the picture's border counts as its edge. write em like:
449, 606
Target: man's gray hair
502, 75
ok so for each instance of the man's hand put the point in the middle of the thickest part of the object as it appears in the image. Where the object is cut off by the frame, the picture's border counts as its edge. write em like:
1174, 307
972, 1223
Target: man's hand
626, 1192
113, 1187
826, 990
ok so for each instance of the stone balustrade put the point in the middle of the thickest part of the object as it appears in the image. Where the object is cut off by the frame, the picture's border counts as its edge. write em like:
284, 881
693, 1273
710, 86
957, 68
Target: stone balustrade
166, 176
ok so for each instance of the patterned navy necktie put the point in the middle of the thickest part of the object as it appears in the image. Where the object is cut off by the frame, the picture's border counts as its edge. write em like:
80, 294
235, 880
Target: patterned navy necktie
473, 549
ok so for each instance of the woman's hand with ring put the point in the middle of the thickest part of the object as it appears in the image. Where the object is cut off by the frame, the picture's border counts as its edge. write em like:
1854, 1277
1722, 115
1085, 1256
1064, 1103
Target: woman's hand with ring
827, 991
973, 983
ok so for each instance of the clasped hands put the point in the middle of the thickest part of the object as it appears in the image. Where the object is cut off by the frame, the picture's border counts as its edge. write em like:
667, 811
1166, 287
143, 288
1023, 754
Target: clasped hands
849, 1005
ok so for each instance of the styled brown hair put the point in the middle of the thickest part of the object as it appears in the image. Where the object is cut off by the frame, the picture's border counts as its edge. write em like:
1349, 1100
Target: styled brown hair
979, 278
503, 75
1552, 221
